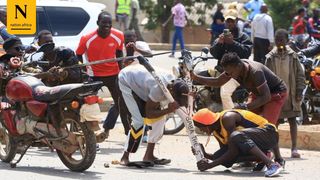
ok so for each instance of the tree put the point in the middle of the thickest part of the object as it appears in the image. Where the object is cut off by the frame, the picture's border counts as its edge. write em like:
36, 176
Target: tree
158, 11
282, 12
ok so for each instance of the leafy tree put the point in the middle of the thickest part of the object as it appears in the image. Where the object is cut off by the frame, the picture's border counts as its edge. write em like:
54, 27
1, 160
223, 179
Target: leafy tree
158, 11
282, 12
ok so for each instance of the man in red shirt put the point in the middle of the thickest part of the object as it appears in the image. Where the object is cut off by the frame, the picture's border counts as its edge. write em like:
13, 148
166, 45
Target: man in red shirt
104, 43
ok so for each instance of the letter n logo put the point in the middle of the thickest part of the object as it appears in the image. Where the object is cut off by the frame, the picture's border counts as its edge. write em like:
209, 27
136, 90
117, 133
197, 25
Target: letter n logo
21, 16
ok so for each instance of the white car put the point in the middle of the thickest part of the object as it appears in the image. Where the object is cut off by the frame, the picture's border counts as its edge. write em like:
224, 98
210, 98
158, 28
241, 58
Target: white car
68, 20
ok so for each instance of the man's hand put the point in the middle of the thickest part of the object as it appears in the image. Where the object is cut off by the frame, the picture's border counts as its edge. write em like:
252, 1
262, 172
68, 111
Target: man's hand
132, 45
228, 39
203, 165
15, 62
173, 106
221, 39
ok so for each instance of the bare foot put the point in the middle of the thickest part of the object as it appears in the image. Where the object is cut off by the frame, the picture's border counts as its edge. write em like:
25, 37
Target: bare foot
124, 159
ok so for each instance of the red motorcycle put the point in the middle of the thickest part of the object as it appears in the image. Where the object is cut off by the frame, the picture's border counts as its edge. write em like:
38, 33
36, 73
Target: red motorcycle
33, 114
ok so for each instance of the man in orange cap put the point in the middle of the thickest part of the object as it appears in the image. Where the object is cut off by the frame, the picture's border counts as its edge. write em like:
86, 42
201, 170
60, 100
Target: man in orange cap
240, 133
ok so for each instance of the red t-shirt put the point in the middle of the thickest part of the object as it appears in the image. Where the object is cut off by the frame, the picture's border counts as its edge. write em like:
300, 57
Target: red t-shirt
96, 48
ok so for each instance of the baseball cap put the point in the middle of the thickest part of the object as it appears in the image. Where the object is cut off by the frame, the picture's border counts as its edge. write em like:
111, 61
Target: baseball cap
180, 92
206, 117
231, 14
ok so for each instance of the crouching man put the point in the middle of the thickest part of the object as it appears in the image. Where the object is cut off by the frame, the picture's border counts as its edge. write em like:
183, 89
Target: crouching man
147, 104
240, 133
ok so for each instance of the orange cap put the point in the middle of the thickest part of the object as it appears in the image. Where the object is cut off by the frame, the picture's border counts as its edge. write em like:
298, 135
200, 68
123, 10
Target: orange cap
206, 117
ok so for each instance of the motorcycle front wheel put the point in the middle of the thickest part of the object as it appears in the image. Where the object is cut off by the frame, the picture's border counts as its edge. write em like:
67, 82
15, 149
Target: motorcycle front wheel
8, 147
83, 158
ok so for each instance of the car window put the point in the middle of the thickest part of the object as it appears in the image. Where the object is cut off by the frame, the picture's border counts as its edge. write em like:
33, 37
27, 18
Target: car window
67, 21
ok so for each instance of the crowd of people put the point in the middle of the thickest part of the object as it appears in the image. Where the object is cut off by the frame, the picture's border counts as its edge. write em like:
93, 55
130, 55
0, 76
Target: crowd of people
245, 132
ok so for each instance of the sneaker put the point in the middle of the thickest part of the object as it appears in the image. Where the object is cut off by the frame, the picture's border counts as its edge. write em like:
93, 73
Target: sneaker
171, 56
259, 167
282, 162
97, 148
273, 170
295, 154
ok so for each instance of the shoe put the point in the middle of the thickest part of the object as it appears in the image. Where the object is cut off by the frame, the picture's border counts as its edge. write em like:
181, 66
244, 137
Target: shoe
171, 56
97, 147
282, 162
273, 170
145, 139
295, 154
258, 167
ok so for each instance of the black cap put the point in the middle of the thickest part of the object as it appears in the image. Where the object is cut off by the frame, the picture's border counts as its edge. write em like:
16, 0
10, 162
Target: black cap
10, 42
180, 91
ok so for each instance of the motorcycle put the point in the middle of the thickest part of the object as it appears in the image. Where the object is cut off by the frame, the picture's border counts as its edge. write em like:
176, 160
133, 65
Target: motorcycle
205, 96
311, 92
29, 111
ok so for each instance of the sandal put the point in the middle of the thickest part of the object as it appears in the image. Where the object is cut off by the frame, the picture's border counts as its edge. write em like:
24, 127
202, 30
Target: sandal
295, 154
161, 161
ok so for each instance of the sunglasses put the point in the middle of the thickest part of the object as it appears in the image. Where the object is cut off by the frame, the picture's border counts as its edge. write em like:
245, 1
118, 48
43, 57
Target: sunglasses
19, 48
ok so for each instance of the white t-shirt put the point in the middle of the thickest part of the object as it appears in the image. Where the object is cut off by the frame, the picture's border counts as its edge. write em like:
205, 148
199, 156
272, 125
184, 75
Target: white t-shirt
142, 83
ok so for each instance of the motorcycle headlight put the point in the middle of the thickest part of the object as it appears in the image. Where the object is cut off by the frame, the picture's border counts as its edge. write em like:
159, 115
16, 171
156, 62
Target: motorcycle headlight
176, 70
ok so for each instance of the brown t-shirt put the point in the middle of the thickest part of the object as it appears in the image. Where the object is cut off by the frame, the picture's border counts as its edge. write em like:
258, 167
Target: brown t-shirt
259, 74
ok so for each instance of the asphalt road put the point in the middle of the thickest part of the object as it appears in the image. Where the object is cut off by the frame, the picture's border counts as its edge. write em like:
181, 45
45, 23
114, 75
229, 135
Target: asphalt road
43, 164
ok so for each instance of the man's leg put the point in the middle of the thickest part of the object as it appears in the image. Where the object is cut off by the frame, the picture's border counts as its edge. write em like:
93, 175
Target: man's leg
293, 134
180, 37
137, 30
155, 134
137, 127
226, 92
174, 41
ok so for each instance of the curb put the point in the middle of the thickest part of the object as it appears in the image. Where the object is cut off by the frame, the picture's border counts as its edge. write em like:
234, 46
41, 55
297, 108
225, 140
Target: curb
167, 46
308, 137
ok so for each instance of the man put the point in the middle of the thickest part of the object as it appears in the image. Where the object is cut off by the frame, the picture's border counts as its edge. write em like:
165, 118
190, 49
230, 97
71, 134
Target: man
217, 25
179, 15
123, 8
133, 48
147, 104
262, 34
267, 91
240, 133
103, 43
315, 24
59, 57
253, 7
235, 41
134, 22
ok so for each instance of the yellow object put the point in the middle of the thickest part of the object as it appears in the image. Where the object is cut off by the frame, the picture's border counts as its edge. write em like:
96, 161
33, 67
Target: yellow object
21, 17
317, 70
138, 134
124, 7
152, 120
248, 116
75, 104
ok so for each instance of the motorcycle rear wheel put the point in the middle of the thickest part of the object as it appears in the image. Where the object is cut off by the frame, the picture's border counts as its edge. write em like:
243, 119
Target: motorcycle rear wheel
8, 147
87, 147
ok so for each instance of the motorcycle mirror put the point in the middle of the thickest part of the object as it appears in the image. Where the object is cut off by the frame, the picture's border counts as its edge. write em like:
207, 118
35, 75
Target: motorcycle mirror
187, 59
205, 50
46, 47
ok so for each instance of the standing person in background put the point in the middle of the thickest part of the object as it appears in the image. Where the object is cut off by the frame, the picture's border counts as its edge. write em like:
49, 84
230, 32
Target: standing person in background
305, 6
315, 24
284, 62
253, 7
179, 15
237, 42
262, 34
134, 22
104, 43
123, 8
299, 24
217, 25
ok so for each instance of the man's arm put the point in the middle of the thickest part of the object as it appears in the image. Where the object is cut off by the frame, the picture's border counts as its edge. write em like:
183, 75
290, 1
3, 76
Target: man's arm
270, 30
211, 81
262, 98
312, 50
243, 49
217, 49
166, 22
153, 109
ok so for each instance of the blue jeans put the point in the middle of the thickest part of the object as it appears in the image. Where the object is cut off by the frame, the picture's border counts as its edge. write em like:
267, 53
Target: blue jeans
178, 34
